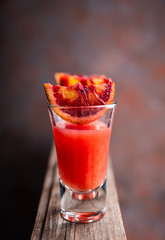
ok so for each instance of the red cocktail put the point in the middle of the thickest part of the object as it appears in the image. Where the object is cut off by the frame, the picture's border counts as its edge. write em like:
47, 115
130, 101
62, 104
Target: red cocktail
81, 110
82, 152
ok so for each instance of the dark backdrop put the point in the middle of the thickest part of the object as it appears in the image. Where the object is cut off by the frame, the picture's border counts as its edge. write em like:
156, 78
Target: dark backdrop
123, 39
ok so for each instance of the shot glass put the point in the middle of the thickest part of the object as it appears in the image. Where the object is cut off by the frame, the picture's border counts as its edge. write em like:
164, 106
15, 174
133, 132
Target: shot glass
82, 155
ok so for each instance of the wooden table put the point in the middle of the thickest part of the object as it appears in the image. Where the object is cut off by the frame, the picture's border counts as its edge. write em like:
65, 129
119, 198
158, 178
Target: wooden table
50, 225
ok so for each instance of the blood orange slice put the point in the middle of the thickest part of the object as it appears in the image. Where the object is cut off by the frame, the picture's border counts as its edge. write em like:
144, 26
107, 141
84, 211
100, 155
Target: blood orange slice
73, 103
65, 79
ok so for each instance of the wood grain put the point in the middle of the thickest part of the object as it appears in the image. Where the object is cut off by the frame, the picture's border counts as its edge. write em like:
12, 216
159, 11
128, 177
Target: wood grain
49, 224
45, 196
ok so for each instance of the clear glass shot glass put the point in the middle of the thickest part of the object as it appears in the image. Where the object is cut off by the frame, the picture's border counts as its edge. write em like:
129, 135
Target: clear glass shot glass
82, 154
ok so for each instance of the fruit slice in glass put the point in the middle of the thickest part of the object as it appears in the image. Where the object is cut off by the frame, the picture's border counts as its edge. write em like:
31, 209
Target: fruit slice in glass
82, 154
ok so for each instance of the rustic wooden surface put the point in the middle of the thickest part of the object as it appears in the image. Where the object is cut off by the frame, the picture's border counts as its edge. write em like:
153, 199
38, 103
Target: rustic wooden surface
49, 224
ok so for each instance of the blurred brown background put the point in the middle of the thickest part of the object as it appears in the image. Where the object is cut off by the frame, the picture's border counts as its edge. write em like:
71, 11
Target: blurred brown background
123, 39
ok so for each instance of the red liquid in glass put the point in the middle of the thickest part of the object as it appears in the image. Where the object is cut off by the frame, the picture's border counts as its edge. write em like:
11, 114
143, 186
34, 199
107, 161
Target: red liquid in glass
82, 152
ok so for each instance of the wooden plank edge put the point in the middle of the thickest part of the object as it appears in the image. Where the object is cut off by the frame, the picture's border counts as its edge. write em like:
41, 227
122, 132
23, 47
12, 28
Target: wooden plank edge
113, 206
45, 197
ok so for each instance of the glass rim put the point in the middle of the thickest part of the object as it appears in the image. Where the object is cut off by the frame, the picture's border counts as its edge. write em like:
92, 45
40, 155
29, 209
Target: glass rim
111, 105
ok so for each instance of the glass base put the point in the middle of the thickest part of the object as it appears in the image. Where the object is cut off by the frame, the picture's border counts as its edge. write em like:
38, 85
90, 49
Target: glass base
79, 217
83, 207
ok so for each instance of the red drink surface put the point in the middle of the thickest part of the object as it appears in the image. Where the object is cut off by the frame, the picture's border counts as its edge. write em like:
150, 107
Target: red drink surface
82, 152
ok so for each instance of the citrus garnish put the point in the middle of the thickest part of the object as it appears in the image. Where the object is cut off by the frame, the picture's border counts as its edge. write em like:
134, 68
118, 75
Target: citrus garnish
83, 93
